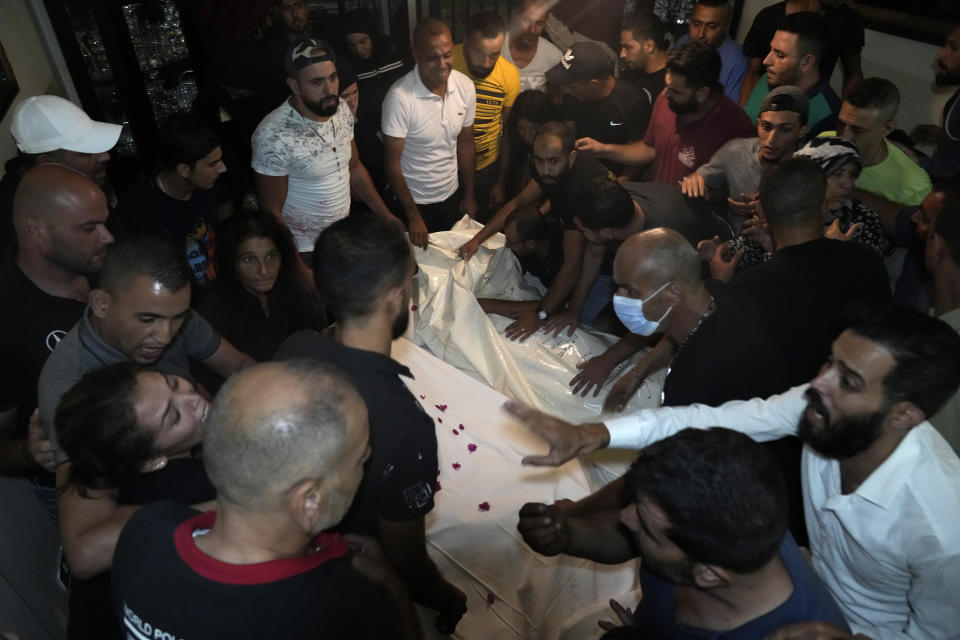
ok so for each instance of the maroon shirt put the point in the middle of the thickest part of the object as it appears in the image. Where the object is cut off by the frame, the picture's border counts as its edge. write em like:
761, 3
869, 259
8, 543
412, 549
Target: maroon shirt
683, 148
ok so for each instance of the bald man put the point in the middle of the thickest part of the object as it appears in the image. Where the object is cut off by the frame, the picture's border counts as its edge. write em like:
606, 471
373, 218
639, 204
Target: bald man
427, 126
284, 445
59, 216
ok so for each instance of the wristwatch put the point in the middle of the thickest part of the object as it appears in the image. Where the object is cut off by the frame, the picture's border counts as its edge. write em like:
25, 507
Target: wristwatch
541, 314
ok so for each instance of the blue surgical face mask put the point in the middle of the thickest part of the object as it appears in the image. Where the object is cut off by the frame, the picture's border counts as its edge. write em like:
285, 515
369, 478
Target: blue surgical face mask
630, 312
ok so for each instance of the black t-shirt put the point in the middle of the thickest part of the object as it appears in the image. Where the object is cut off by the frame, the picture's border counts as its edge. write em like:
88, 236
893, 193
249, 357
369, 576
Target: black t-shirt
562, 196
375, 75
191, 224
31, 326
619, 118
183, 480
8, 188
664, 205
651, 84
399, 477
547, 270
731, 357
164, 586
844, 34
802, 292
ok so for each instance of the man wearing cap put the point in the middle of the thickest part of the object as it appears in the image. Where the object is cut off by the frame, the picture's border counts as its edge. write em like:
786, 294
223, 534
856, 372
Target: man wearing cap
305, 161
601, 108
736, 168
51, 129
427, 129
691, 119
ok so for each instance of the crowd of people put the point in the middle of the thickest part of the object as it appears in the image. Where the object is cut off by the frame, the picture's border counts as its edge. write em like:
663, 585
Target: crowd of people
200, 386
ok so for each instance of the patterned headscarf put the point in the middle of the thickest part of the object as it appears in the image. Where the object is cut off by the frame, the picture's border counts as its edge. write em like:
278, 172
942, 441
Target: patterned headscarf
831, 153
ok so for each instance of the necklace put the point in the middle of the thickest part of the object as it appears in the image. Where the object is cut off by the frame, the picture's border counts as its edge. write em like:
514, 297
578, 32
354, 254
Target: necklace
332, 145
703, 316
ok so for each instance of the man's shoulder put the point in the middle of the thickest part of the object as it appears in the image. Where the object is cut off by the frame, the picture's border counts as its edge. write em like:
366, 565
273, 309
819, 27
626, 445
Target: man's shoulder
463, 84
547, 48
308, 344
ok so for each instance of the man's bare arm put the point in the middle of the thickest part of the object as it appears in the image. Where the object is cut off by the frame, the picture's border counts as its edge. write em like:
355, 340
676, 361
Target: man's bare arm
362, 186
566, 278
392, 152
637, 153
467, 166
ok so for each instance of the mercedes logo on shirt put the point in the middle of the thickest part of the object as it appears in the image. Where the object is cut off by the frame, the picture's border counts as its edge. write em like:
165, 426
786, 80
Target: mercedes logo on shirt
54, 338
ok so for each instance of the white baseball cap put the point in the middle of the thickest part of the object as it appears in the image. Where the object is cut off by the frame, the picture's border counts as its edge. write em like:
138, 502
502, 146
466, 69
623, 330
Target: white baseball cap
45, 123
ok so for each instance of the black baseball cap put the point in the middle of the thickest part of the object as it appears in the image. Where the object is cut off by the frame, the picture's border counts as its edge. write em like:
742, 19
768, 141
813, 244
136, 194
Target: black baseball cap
306, 52
582, 61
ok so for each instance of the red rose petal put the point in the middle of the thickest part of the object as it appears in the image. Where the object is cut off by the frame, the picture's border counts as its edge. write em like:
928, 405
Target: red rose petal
471, 447
456, 465
440, 420
413, 307
455, 432
483, 506
461, 426
491, 599
423, 397
442, 407
438, 472
436, 487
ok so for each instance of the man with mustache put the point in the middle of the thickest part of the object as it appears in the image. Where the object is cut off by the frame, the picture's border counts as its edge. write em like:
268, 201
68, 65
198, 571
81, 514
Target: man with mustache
524, 47
881, 486
691, 119
305, 160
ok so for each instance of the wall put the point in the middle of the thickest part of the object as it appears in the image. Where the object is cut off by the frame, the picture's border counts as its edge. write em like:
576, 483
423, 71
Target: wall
906, 63
30, 63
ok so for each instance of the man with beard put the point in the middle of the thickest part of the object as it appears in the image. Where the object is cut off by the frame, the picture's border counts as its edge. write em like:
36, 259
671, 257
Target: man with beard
945, 162
497, 84
524, 47
643, 57
691, 119
364, 272
881, 486
305, 160
559, 172
704, 511
427, 126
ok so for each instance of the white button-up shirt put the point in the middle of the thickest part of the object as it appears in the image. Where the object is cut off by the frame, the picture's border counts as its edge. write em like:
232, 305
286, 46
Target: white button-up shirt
429, 125
890, 551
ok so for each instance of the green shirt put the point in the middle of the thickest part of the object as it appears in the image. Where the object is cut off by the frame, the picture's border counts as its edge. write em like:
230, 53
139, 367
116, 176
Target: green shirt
824, 105
898, 178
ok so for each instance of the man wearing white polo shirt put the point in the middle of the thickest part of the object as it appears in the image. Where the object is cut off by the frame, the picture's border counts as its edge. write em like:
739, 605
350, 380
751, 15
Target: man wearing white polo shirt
305, 161
427, 129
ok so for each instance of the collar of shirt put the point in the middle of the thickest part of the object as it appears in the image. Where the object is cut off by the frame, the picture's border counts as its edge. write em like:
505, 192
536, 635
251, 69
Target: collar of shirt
363, 359
94, 344
420, 90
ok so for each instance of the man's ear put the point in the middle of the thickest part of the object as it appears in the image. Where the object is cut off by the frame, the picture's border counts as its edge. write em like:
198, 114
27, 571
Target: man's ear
393, 301
153, 464
307, 505
100, 302
293, 86
36, 229
807, 61
649, 47
710, 576
905, 415
702, 94
889, 126
803, 132
184, 170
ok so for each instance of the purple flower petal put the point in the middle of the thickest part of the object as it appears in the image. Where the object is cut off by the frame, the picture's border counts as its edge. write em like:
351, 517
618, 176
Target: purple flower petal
456, 465
483, 506
471, 447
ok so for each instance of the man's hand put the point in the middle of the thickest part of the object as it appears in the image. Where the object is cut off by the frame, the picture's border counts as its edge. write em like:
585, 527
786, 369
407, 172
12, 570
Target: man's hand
469, 207
453, 607
560, 321
722, 267
833, 231
419, 236
468, 248
814, 631
756, 229
37, 445
497, 195
707, 248
625, 616
593, 373
621, 392
589, 145
693, 186
544, 528
745, 207
566, 441
524, 326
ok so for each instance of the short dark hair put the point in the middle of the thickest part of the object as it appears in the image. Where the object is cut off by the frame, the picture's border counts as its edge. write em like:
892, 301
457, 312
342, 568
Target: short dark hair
716, 4
723, 493
355, 260
699, 63
792, 192
487, 23
947, 223
926, 351
535, 106
560, 131
181, 139
644, 25
144, 255
530, 223
96, 425
811, 31
602, 203
244, 225
876, 93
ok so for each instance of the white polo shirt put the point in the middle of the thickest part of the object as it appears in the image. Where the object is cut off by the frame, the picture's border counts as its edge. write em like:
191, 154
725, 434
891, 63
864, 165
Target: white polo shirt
430, 126
315, 157
890, 551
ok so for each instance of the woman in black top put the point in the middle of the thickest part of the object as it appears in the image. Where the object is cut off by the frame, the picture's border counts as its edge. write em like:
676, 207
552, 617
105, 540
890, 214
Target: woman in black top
256, 301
